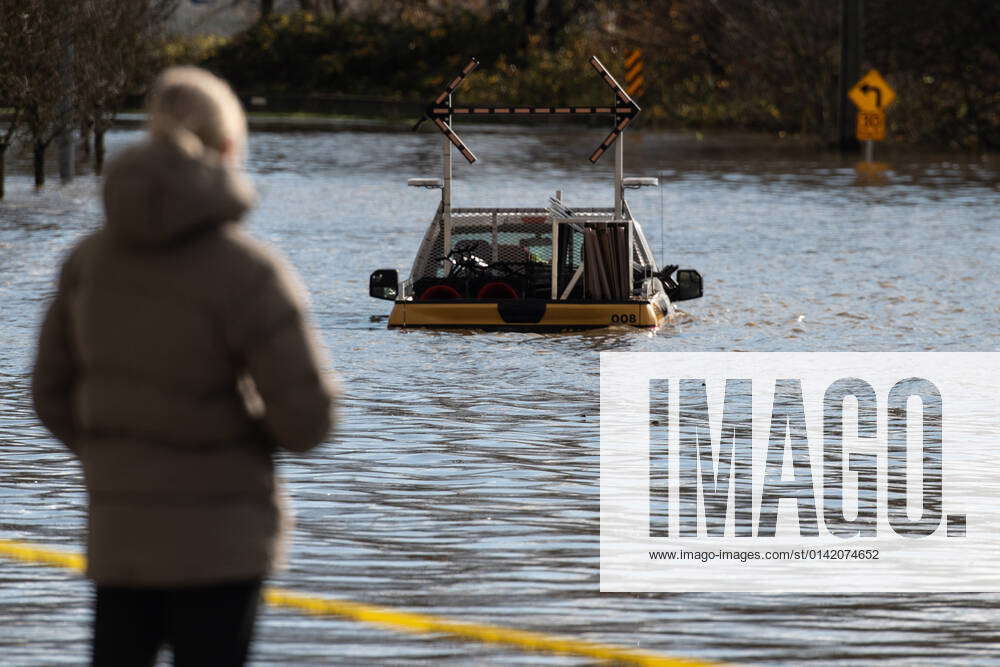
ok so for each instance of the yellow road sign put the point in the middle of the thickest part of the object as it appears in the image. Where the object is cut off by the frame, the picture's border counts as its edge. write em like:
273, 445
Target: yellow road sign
634, 72
872, 93
636, 87
871, 125
635, 83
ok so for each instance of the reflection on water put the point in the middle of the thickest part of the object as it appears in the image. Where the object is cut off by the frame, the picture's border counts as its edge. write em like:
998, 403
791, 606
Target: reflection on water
464, 481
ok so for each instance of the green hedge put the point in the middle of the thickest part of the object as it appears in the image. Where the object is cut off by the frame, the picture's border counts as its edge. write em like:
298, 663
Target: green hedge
300, 54
699, 75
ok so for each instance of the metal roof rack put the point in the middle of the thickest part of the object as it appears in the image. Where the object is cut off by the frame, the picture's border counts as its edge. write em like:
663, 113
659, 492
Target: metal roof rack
441, 112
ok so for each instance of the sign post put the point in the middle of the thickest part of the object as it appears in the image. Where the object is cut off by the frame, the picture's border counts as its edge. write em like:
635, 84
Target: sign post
871, 95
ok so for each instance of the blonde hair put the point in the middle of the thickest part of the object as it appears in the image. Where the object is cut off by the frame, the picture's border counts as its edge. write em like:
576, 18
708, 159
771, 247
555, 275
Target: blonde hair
195, 100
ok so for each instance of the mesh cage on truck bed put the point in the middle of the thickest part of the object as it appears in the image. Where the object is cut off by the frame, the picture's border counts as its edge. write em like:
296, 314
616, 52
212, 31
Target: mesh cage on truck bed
519, 241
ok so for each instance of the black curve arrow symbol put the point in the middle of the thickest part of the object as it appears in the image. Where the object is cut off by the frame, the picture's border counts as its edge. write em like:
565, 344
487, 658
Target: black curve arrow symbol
878, 94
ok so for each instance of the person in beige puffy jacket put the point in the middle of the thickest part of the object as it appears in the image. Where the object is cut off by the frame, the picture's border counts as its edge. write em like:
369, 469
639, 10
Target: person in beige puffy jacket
176, 358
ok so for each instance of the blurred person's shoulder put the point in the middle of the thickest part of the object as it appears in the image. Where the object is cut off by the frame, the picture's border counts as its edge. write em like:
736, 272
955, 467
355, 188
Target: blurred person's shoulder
252, 263
76, 258
255, 256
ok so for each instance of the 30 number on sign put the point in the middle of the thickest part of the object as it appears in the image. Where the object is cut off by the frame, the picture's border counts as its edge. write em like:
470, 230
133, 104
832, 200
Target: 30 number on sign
871, 125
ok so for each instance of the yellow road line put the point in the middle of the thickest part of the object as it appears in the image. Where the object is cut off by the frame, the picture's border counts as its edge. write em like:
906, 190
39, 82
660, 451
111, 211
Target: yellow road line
400, 620
31, 554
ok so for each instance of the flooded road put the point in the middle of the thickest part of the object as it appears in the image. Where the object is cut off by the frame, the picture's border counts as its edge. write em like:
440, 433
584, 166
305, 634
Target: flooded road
464, 479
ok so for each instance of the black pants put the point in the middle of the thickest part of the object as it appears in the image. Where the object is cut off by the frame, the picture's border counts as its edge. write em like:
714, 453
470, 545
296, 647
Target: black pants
210, 625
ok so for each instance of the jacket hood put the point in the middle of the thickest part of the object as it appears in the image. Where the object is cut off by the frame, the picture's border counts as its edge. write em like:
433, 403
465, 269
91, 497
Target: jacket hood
168, 188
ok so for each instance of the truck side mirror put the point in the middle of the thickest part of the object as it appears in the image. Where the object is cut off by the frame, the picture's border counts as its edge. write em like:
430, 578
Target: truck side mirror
384, 284
688, 286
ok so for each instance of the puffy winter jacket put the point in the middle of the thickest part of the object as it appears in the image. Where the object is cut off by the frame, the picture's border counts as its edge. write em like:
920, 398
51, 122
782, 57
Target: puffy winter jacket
175, 359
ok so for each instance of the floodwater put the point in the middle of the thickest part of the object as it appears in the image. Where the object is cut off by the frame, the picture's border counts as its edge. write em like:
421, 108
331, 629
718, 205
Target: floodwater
464, 479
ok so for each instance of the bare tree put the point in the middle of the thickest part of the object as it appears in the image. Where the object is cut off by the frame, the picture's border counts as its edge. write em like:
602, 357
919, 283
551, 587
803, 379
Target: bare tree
35, 33
116, 54
12, 33
768, 62
68, 63
48, 28
6, 139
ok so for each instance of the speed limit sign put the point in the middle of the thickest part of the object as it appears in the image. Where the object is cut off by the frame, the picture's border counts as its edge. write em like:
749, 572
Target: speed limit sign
871, 125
